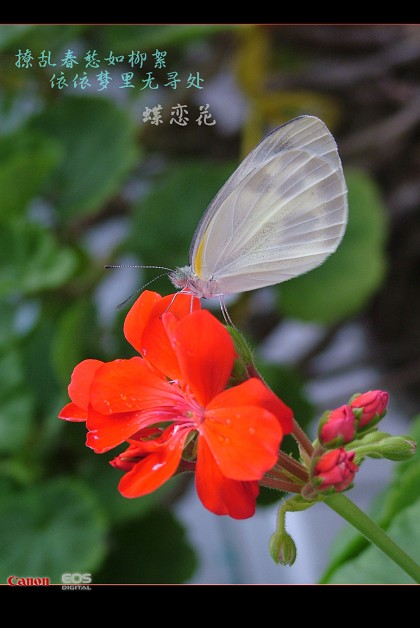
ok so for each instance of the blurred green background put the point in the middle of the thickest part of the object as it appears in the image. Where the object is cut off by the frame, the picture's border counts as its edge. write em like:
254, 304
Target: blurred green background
86, 181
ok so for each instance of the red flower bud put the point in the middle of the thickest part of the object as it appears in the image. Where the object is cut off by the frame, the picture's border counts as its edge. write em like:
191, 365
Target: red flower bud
372, 406
335, 470
337, 426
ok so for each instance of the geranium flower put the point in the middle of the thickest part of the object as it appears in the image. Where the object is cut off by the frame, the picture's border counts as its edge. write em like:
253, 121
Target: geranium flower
175, 410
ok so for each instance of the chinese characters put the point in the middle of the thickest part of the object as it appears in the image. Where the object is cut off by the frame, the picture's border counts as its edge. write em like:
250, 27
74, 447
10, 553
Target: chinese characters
179, 115
136, 60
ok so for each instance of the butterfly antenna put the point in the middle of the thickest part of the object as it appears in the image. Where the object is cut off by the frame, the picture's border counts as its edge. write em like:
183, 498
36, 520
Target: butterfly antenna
138, 266
121, 305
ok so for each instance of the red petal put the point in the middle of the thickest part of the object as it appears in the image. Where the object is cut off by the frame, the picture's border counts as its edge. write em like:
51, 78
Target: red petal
244, 440
71, 412
81, 380
157, 348
205, 353
154, 344
154, 470
138, 317
129, 385
138, 448
254, 392
220, 494
107, 431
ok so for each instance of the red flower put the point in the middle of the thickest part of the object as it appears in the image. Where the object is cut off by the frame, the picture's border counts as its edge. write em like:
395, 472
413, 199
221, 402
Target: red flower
337, 426
370, 407
335, 470
230, 436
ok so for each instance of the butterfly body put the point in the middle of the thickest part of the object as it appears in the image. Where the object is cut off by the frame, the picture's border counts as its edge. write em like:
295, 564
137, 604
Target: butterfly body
280, 214
185, 279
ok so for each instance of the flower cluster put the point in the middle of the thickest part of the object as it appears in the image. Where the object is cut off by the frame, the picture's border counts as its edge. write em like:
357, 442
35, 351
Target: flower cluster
173, 405
334, 470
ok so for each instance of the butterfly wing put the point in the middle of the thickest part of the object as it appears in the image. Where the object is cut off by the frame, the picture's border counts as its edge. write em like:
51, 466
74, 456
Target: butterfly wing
280, 214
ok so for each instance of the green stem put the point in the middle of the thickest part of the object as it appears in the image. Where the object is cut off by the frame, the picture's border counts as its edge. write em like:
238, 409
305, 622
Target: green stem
351, 513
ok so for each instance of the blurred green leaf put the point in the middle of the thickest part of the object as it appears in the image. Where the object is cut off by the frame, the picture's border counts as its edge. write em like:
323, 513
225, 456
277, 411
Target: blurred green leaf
165, 221
374, 567
16, 405
11, 371
51, 529
70, 339
99, 148
151, 550
40, 375
104, 479
25, 161
37, 38
9, 33
403, 492
31, 260
15, 420
348, 279
7, 315
125, 38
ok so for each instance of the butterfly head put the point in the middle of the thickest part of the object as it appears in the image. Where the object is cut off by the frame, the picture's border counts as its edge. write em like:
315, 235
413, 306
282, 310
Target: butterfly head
187, 281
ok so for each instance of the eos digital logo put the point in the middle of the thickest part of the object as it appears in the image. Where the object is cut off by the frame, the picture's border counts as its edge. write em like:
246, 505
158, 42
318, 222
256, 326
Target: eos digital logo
76, 581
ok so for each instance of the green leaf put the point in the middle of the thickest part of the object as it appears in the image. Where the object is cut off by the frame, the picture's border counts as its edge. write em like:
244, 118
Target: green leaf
15, 420
40, 376
347, 280
41, 37
402, 493
11, 371
404, 488
9, 33
31, 259
126, 38
73, 330
16, 405
104, 480
51, 529
99, 148
7, 315
374, 567
151, 550
25, 161
165, 221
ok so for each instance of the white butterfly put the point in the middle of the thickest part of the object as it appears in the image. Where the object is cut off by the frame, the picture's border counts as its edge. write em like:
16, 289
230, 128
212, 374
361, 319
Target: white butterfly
279, 215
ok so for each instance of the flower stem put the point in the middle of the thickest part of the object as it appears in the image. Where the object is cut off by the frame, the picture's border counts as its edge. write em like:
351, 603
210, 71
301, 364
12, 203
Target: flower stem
343, 506
286, 463
302, 439
280, 485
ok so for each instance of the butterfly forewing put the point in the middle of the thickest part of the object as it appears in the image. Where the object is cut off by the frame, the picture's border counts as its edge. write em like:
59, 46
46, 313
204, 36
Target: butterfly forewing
281, 213
306, 132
